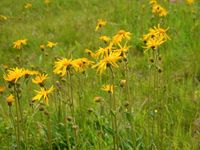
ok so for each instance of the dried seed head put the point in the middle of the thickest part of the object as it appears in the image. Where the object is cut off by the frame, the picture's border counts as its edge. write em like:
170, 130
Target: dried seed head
122, 83
126, 104
90, 110
160, 70
69, 118
46, 113
151, 60
75, 127
98, 99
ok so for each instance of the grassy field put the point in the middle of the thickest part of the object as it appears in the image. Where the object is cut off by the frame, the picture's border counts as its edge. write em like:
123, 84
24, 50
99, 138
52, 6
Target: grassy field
54, 96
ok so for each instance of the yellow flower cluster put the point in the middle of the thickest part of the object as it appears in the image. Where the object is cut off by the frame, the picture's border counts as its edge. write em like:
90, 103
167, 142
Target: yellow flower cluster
190, 2
158, 9
155, 37
65, 66
14, 74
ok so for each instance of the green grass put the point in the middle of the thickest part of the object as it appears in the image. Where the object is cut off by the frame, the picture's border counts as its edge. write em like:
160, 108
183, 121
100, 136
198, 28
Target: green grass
71, 23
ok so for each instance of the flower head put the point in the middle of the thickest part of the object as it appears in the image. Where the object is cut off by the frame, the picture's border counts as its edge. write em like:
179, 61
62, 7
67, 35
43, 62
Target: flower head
81, 64
28, 5
108, 61
62, 66
108, 88
121, 35
19, 43
14, 74
100, 24
43, 93
39, 79
10, 99
51, 44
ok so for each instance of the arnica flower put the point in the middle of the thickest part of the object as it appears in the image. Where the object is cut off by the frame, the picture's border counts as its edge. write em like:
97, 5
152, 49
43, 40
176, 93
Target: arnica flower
2, 89
108, 88
14, 74
153, 43
121, 35
3, 18
104, 38
158, 31
19, 43
122, 50
90, 53
101, 52
39, 79
46, 1
10, 99
51, 44
81, 64
158, 9
189, 2
62, 66
28, 73
28, 5
100, 24
43, 93
110, 60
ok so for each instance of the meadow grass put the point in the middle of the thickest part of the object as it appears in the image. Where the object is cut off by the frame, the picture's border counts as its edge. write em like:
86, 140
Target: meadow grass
151, 110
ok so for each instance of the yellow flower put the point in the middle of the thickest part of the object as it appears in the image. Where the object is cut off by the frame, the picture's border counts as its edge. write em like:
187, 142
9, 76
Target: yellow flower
10, 99
81, 64
43, 93
39, 79
108, 88
104, 38
19, 43
100, 24
189, 2
3, 18
46, 1
158, 9
121, 35
108, 61
28, 5
2, 89
122, 50
101, 52
27, 73
90, 53
14, 74
62, 66
51, 44
153, 43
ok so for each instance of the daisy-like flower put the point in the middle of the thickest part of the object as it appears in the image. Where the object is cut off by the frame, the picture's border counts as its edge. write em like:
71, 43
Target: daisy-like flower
121, 35
2, 89
81, 64
28, 73
100, 24
108, 61
158, 9
28, 5
46, 1
101, 52
104, 38
39, 79
10, 99
189, 2
14, 74
153, 43
19, 43
43, 93
51, 44
62, 66
122, 50
90, 53
108, 88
